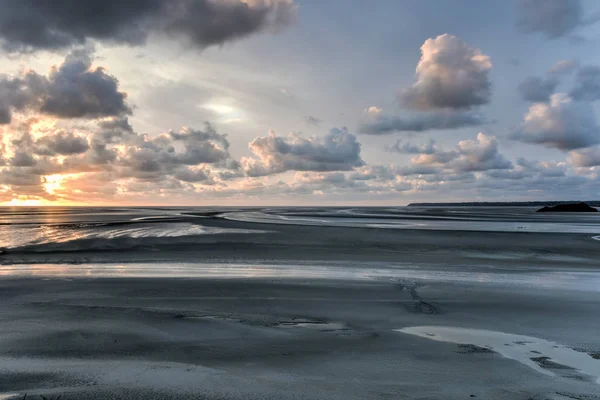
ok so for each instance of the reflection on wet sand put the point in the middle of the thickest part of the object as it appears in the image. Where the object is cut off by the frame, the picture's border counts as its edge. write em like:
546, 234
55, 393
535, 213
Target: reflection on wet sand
581, 280
543, 356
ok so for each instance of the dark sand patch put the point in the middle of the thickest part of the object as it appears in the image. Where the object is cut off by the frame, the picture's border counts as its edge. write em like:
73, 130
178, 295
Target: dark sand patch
473, 349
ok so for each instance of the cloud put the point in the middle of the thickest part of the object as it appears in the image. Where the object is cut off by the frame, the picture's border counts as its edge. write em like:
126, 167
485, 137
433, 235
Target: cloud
536, 89
585, 158
552, 18
28, 25
479, 155
173, 153
373, 110
450, 75
409, 148
314, 121
383, 125
587, 84
61, 143
208, 22
547, 169
337, 151
22, 159
72, 90
373, 173
468, 156
175, 161
5, 114
564, 67
563, 124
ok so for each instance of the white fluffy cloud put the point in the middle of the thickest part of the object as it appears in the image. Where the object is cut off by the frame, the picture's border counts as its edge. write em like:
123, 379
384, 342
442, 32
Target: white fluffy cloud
562, 124
451, 74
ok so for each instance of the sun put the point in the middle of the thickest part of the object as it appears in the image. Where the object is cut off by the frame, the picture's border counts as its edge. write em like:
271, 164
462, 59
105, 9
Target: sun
52, 183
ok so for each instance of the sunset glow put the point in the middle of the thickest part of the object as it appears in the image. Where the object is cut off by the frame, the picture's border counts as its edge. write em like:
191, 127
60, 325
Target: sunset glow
262, 112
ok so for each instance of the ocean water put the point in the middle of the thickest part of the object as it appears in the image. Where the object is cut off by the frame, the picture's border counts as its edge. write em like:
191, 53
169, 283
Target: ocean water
25, 226
97, 228
122, 232
485, 219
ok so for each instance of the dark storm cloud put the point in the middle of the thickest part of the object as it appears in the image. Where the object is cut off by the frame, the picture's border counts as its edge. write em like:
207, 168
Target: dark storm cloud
27, 25
553, 18
537, 89
384, 125
72, 90
587, 84
337, 151
450, 75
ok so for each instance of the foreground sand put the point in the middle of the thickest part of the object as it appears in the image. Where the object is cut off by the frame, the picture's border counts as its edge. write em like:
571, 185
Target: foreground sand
300, 312
293, 338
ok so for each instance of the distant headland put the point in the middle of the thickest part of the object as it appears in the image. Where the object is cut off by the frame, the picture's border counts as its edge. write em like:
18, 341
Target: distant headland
569, 207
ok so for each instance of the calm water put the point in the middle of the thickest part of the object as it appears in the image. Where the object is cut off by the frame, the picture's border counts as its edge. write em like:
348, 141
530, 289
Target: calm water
30, 226
58, 229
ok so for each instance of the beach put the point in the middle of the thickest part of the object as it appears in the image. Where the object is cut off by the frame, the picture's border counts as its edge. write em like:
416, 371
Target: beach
296, 311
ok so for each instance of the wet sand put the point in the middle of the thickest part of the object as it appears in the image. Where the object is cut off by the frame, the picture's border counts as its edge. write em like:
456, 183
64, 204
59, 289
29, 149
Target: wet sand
284, 338
305, 312
289, 243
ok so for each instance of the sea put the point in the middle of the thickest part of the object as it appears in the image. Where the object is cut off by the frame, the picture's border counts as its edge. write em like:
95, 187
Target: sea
123, 231
37, 230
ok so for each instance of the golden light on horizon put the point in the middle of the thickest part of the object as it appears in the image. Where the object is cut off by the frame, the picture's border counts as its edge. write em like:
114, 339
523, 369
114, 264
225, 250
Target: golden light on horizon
21, 202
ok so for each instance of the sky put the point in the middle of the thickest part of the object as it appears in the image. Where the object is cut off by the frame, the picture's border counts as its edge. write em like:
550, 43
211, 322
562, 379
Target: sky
298, 102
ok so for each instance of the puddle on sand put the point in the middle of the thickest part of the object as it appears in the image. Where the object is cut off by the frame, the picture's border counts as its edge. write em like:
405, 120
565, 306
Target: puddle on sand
539, 354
